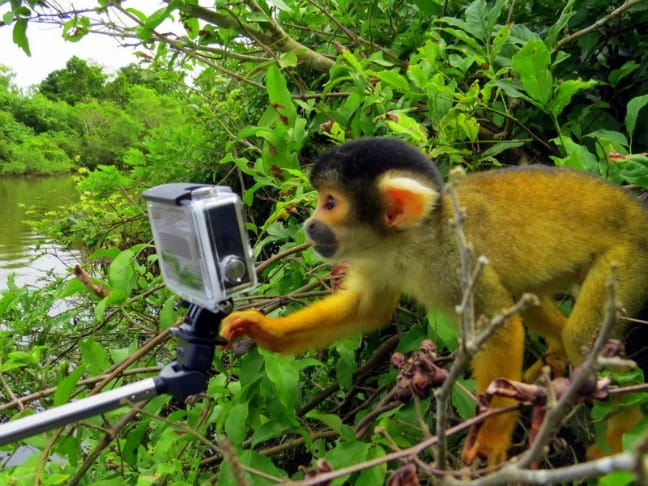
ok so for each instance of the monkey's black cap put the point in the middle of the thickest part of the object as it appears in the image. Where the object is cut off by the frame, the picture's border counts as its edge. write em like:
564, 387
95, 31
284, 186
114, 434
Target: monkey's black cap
363, 161
354, 168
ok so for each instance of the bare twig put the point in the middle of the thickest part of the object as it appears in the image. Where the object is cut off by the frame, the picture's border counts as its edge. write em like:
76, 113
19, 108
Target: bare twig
513, 474
470, 341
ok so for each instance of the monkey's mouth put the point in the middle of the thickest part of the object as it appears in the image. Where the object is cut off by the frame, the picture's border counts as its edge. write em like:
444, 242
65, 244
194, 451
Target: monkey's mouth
327, 250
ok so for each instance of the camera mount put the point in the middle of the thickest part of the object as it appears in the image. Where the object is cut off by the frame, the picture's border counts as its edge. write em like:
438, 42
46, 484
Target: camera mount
205, 257
196, 338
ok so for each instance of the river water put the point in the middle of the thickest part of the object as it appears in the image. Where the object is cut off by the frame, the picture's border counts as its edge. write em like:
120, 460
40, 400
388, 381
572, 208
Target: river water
23, 252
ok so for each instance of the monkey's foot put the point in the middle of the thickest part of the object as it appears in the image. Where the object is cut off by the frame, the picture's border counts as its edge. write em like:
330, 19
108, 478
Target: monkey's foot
617, 425
557, 362
490, 440
491, 448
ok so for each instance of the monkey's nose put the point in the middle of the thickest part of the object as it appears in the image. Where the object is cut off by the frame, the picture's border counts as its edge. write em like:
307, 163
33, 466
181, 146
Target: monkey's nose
310, 226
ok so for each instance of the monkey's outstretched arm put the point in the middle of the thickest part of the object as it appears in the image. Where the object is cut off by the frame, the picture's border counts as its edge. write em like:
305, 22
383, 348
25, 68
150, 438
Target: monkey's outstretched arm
341, 315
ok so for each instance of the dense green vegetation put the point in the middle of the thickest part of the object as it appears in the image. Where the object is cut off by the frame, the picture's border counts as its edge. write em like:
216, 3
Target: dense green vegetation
475, 83
78, 118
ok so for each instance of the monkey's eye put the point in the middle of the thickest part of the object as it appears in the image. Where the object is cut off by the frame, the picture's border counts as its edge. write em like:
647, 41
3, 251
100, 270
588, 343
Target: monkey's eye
330, 203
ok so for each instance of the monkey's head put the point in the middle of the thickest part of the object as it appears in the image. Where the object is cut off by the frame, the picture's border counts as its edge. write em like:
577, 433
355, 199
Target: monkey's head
368, 190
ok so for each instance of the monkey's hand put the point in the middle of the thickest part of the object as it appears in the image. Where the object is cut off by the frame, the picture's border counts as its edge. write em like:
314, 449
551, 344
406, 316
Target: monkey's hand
250, 323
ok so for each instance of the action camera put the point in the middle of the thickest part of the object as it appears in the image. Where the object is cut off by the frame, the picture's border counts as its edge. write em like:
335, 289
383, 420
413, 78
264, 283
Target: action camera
201, 242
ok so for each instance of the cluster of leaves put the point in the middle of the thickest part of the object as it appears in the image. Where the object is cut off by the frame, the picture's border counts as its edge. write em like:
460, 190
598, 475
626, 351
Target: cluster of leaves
474, 83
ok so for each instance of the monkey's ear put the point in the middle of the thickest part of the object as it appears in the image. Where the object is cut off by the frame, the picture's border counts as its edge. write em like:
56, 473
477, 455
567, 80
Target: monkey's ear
406, 201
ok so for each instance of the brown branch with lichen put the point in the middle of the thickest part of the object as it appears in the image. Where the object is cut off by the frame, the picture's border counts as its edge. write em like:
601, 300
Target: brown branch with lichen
84, 277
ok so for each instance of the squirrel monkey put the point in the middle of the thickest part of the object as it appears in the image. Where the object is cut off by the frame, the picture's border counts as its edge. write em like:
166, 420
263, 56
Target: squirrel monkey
546, 230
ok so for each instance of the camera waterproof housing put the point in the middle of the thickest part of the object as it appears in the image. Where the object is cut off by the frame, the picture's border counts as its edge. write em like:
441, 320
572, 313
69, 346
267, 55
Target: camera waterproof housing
200, 238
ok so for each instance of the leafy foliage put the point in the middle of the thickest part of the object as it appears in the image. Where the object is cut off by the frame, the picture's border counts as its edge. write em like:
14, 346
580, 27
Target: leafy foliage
473, 83
78, 81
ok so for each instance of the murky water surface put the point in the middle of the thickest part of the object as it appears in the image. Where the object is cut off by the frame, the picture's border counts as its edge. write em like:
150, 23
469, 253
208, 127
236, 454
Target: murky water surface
22, 251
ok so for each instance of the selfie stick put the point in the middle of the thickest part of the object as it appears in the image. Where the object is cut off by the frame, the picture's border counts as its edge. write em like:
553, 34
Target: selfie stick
196, 337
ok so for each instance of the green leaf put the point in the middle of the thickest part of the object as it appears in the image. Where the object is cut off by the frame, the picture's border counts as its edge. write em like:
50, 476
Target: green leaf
500, 38
76, 28
400, 122
104, 253
121, 273
192, 26
346, 364
531, 63
72, 287
462, 401
442, 330
20, 35
8, 17
94, 356
262, 463
619, 478
156, 18
578, 157
168, 314
281, 371
16, 360
565, 91
376, 474
235, 425
618, 74
270, 430
635, 171
116, 297
141, 16
502, 146
429, 7
5, 301
463, 34
133, 442
280, 98
555, 29
331, 420
393, 79
66, 386
610, 140
510, 88
634, 107
288, 59
482, 17
347, 454
348, 56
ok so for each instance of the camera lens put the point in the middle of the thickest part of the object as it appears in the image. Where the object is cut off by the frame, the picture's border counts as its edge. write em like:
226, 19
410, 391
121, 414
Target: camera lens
234, 269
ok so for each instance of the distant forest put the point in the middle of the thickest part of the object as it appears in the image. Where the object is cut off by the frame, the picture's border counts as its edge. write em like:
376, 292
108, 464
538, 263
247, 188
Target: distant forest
79, 116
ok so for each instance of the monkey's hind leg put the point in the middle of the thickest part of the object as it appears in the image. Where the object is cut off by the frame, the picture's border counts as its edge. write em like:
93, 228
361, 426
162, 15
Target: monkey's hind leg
583, 324
547, 321
501, 356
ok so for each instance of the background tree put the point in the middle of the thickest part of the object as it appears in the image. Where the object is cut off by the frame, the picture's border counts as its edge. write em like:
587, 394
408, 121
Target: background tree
77, 81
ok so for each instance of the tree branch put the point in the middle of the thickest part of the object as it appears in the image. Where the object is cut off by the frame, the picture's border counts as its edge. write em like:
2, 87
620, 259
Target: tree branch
277, 38
598, 24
